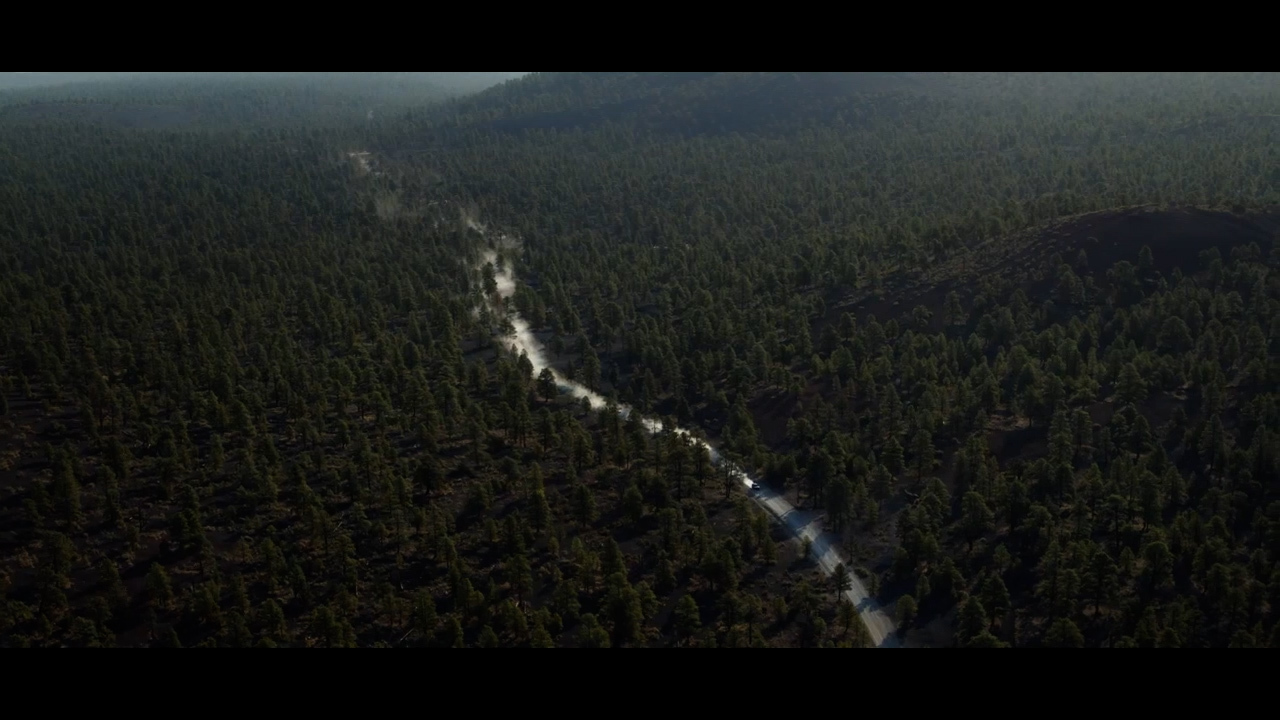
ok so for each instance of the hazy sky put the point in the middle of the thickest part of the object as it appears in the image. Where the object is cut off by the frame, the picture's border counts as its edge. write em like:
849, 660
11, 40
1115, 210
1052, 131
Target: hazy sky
456, 80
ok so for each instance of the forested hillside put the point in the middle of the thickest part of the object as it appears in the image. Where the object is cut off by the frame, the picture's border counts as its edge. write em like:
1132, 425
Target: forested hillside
1013, 336
243, 406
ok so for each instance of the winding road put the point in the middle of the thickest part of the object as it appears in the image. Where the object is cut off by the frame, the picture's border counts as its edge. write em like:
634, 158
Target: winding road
807, 525
802, 524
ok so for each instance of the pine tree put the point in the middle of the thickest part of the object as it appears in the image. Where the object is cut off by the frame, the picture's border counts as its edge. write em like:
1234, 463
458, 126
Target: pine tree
923, 454
664, 575
1130, 387
593, 635
840, 580
159, 589
540, 638
546, 384
892, 455
452, 635
687, 619
425, 619
1064, 634
584, 504
972, 620
906, 611
112, 586
976, 518
995, 595
633, 504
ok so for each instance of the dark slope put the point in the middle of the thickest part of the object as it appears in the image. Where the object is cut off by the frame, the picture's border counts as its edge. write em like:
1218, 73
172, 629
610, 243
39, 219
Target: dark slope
1208, 256
1182, 239
1029, 260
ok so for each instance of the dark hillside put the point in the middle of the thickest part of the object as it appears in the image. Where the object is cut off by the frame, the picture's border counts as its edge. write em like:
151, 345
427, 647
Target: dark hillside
1184, 240
1137, 266
1177, 238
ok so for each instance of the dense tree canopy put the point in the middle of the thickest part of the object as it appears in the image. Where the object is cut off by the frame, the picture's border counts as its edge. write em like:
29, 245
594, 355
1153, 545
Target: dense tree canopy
1013, 336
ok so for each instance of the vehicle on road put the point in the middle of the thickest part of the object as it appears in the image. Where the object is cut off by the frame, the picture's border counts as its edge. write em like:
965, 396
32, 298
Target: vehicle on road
755, 487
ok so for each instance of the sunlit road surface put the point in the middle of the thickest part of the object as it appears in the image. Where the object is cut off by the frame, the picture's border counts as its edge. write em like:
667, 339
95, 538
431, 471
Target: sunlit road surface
805, 525
801, 524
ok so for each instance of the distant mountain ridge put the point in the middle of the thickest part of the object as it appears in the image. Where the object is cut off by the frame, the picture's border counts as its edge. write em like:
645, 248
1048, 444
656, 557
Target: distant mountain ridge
690, 102
14, 80
221, 99
457, 82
